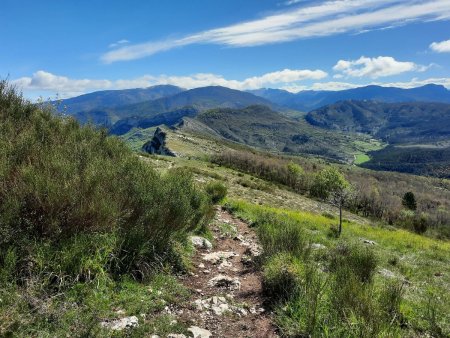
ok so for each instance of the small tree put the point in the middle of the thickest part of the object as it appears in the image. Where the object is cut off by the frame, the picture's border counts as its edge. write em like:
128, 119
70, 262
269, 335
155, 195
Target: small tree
330, 184
409, 201
295, 175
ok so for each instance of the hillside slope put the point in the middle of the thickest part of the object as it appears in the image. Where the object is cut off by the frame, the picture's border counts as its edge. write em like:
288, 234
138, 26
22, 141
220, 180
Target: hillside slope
262, 128
412, 122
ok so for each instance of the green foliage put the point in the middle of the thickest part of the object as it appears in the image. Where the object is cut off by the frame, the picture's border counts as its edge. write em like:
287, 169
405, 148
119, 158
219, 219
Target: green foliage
409, 200
269, 168
217, 191
426, 160
60, 181
82, 220
281, 276
328, 181
336, 291
279, 234
354, 259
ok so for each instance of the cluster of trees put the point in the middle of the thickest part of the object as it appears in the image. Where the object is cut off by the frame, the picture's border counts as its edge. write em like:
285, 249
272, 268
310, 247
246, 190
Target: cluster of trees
378, 195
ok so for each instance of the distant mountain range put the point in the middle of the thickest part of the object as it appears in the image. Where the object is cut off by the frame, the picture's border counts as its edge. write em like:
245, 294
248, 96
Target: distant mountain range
107, 108
410, 120
396, 123
116, 98
308, 100
367, 109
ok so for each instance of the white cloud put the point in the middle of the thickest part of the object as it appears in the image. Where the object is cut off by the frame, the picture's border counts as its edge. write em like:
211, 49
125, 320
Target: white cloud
118, 43
413, 83
290, 80
323, 19
66, 87
45, 81
375, 67
441, 47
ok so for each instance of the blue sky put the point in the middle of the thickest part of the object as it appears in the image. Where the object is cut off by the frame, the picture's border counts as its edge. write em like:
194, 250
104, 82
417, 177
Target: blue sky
74, 47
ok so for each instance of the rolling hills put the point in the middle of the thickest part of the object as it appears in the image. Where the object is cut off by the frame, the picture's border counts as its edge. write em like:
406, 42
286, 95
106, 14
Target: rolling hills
397, 123
262, 128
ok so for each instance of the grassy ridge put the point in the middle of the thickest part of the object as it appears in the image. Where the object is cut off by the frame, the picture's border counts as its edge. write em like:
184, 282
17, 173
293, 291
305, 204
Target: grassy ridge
408, 271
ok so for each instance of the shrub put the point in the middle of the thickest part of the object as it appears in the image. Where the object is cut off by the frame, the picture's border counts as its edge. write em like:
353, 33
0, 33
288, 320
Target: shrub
281, 276
409, 201
280, 234
217, 191
354, 259
61, 183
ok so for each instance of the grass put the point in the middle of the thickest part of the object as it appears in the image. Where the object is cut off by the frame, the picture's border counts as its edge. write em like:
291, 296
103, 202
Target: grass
421, 263
25, 312
361, 158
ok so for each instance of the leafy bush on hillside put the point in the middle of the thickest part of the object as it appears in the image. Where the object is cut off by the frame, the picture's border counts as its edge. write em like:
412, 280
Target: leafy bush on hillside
217, 191
72, 196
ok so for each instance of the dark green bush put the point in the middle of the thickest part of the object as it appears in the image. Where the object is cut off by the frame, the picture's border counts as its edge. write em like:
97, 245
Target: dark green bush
60, 182
217, 191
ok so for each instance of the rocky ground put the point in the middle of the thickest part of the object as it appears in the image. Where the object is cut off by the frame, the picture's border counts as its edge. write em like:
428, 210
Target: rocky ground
226, 289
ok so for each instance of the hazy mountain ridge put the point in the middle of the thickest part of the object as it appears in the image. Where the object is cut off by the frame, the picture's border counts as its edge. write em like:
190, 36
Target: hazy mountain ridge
309, 99
115, 98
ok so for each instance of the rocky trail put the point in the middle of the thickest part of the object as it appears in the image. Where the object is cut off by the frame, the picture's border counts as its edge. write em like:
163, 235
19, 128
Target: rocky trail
226, 289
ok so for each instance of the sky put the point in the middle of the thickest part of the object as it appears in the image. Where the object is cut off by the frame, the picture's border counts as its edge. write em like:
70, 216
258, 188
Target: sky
52, 48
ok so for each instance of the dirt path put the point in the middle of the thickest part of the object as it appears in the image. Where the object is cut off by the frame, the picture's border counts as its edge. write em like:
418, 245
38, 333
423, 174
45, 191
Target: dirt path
226, 289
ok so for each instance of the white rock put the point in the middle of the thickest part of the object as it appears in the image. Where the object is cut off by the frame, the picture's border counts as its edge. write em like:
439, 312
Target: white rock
254, 250
199, 332
225, 281
198, 304
216, 257
368, 241
220, 309
201, 266
176, 335
121, 324
224, 265
201, 242
317, 246
387, 273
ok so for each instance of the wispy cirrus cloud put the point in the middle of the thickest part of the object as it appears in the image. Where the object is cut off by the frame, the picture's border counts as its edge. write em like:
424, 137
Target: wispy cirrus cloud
118, 43
441, 47
376, 67
45, 81
308, 21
